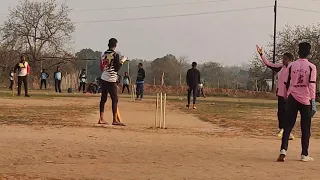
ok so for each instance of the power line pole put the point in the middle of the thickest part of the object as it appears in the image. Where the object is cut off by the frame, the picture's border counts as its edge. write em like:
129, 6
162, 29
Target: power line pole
274, 40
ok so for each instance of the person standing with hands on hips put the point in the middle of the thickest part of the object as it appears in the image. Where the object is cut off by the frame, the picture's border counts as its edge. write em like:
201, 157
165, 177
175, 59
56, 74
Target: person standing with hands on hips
57, 80
44, 75
126, 82
301, 94
23, 69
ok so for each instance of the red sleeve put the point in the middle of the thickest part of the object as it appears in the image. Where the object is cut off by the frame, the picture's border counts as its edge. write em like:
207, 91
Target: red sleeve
101, 65
28, 69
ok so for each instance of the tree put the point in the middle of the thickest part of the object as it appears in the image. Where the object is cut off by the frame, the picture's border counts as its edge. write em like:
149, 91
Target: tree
168, 65
289, 38
211, 72
90, 60
287, 41
258, 74
182, 60
38, 28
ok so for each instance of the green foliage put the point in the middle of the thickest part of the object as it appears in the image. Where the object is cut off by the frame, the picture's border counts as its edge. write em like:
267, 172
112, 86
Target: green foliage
90, 59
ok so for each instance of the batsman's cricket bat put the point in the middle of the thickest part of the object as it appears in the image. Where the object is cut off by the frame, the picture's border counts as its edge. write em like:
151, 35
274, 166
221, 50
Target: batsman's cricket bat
118, 115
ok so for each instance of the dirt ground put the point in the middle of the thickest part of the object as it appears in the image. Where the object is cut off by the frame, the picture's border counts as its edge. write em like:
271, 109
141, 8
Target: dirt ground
188, 149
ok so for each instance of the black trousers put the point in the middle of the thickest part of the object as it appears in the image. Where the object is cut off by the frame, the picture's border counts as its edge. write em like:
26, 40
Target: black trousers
281, 112
57, 84
83, 86
24, 80
11, 84
305, 111
125, 86
43, 82
112, 89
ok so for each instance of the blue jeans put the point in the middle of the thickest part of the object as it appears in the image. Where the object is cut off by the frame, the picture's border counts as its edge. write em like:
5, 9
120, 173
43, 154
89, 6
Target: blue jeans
139, 90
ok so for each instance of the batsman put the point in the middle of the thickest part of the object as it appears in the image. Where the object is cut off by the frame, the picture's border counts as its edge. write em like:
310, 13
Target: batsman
110, 64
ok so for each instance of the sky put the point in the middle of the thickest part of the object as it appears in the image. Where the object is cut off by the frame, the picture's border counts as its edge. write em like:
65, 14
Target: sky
226, 36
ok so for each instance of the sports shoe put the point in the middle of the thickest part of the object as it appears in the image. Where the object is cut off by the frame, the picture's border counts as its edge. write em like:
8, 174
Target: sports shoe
282, 156
306, 158
291, 137
280, 133
188, 106
194, 107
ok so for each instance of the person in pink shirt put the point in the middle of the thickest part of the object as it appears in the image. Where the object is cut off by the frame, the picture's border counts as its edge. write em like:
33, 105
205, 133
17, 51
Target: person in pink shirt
281, 69
301, 92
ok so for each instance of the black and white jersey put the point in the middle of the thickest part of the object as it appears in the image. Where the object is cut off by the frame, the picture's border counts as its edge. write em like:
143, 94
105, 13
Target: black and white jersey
110, 65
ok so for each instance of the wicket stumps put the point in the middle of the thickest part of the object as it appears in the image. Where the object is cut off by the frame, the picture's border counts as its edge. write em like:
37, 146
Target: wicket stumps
160, 117
133, 92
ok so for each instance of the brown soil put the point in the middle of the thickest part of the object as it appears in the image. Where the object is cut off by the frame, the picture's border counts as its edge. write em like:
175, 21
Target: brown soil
188, 149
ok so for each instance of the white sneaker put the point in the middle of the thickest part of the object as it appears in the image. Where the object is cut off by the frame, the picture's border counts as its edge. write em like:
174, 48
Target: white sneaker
306, 158
282, 156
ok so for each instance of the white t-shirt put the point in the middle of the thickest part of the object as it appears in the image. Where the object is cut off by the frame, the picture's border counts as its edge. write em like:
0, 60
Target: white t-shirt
83, 77
23, 69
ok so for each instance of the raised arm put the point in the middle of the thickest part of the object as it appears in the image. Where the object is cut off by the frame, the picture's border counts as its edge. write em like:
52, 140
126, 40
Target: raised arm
273, 66
270, 64
312, 81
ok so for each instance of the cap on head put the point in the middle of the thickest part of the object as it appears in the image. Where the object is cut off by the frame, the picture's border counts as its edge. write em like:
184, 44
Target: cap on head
112, 43
194, 64
304, 49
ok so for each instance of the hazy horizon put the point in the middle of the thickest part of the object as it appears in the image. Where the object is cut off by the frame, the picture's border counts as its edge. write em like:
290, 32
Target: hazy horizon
228, 38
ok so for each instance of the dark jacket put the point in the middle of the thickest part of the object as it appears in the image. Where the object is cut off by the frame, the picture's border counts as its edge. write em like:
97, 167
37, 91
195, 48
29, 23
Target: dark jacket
193, 77
141, 75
